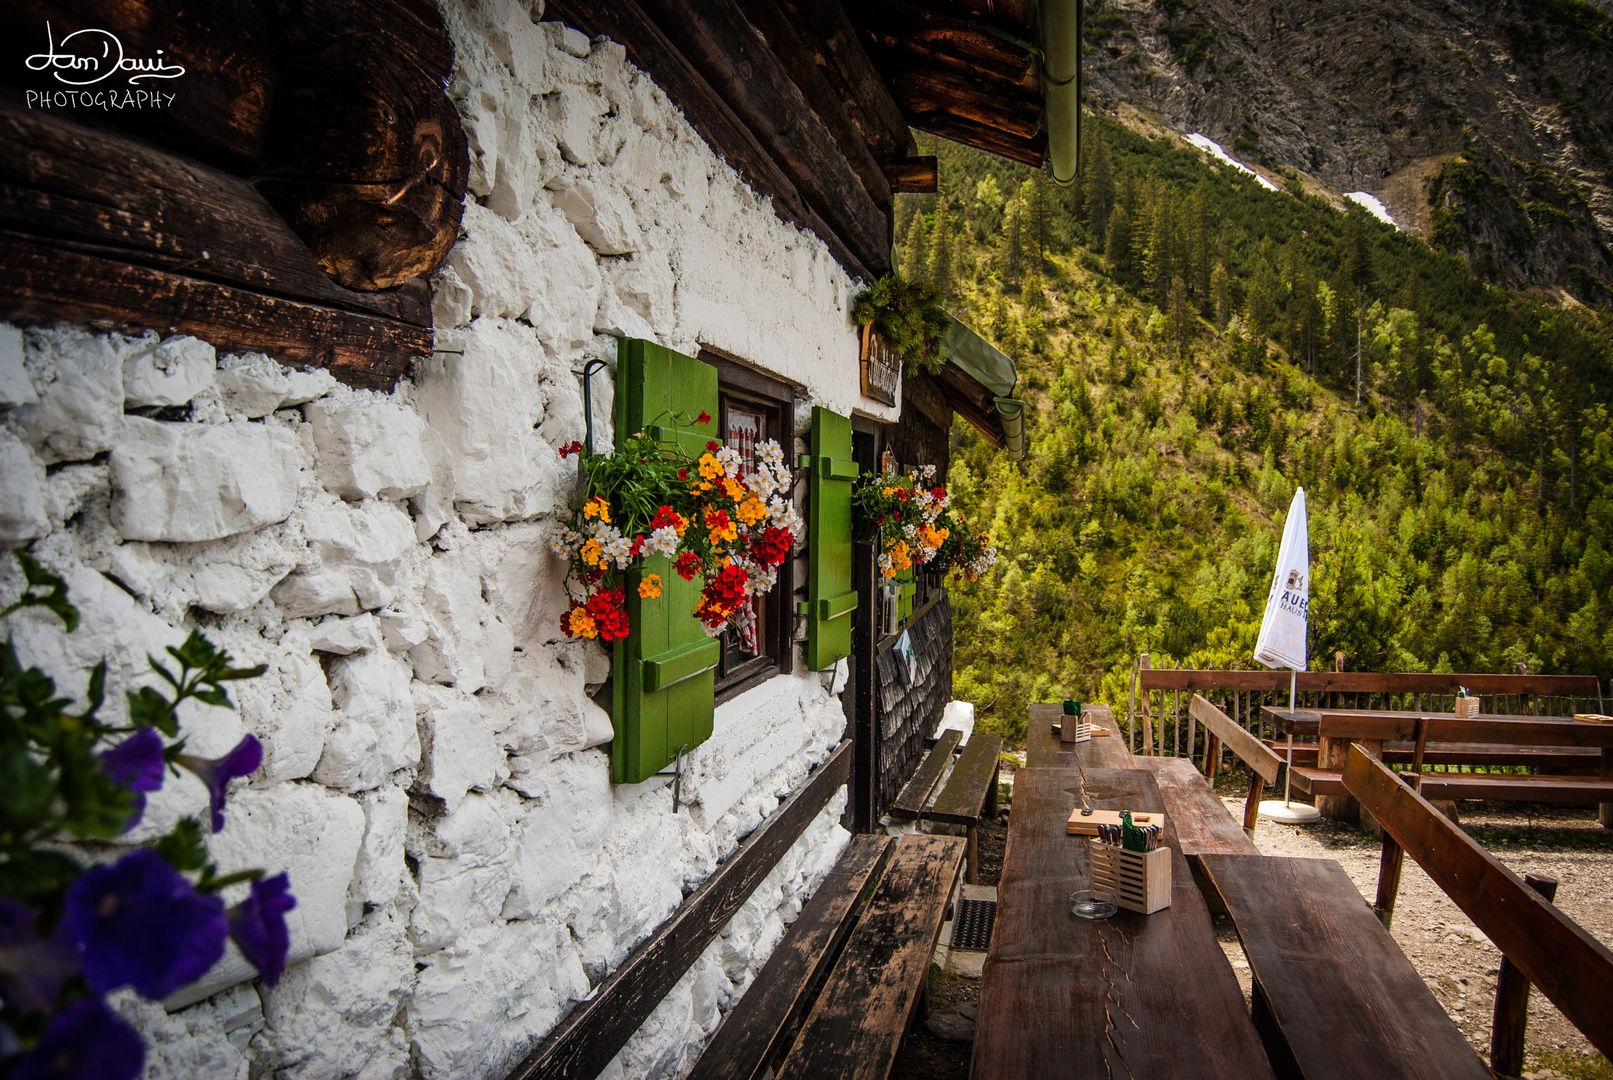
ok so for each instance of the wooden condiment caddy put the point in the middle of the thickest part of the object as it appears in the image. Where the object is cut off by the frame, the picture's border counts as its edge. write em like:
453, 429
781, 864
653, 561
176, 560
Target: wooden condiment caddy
1467, 707
1140, 880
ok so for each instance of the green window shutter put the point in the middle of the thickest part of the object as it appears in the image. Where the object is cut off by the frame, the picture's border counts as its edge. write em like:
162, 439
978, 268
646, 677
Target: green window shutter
905, 591
830, 597
663, 674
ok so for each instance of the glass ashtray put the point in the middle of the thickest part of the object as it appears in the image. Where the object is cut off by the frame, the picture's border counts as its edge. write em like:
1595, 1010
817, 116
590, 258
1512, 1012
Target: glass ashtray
1092, 904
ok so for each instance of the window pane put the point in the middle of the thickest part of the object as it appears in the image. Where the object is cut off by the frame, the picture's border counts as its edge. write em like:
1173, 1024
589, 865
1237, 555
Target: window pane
747, 428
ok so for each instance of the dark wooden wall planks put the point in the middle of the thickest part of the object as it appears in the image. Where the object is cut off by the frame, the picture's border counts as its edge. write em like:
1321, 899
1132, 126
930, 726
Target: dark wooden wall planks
145, 218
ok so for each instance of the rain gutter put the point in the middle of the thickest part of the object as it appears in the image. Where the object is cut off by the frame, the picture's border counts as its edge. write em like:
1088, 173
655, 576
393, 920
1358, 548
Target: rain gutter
1062, 25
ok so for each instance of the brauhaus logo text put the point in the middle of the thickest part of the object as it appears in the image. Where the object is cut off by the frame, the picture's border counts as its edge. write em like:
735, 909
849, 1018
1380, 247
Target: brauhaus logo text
84, 61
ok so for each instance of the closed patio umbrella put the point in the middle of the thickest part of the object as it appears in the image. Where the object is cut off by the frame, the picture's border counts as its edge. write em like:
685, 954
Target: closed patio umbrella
1283, 637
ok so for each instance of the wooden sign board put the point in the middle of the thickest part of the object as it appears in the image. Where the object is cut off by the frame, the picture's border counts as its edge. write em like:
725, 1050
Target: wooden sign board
1087, 825
881, 370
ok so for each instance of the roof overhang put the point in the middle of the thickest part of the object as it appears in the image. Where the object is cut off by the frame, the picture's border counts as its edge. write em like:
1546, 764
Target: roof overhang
978, 381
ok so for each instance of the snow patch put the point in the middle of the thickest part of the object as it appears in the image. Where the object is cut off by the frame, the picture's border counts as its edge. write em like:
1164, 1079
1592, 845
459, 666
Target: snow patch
1373, 206
1213, 148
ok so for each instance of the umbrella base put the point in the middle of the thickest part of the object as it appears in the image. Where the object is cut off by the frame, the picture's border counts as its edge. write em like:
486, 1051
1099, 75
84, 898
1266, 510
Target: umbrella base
1293, 813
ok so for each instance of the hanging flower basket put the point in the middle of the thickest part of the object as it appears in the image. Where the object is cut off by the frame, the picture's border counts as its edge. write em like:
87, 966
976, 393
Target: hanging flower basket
717, 517
909, 317
914, 527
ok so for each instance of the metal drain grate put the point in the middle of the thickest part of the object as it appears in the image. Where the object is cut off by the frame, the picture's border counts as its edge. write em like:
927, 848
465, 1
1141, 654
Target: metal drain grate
972, 928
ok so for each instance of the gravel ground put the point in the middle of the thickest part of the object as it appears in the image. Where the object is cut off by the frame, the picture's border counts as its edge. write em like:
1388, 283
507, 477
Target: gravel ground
1457, 961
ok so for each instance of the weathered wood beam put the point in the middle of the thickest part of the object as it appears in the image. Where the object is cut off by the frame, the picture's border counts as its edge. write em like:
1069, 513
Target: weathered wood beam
918, 175
1569, 966
583, 1043
1362, 682
922, 91
220, 108
900, 26
839, 53
993, 140
717, 39
623, 21
796, 57
106, 228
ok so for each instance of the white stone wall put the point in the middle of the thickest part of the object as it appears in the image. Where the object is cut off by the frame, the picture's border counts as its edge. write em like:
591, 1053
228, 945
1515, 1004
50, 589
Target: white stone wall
434, 777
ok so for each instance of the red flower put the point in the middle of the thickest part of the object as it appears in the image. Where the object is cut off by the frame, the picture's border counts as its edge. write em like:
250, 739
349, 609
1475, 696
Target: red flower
721, 596
606, 608
683, 474
687, 566
572, 447
713, 446
665, 516
638, 546
938, 492
773, 546
703, 418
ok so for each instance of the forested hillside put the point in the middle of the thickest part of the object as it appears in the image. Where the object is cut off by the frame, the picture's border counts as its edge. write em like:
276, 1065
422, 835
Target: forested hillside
1193, 347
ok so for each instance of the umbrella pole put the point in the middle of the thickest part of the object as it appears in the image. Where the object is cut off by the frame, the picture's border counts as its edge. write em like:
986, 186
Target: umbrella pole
1288, 774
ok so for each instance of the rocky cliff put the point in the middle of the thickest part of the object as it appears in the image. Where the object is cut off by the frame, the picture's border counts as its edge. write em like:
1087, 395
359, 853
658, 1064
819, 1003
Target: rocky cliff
1485, 126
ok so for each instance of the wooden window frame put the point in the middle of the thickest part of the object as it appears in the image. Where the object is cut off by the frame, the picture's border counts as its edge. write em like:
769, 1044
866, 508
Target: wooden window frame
776, 629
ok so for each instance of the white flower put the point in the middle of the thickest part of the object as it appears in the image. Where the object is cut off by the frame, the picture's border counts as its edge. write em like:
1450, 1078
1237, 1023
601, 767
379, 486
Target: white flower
602, 532
619, 548
781, 515
663, 541
729, 459
761, 579
884, 562
929, 471
566, 542
769, 453
910, 531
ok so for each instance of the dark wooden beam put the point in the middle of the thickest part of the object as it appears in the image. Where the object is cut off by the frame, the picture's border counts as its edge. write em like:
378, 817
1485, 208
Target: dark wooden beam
623, 21
990, 139
717, 39
586, 1041
839, 53
798, 59
1363, 682
929, 90
1569, 966
105, 228
220, 106
917, 175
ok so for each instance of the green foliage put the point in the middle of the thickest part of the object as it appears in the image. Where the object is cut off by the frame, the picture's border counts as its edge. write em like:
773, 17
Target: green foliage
1193, 357
909, 316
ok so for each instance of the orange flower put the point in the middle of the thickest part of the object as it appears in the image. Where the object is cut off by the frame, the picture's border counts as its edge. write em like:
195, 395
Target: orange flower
592, 554
649, 587
752, 510
582, 623
710, 467
733, 488
900, 559
720, 526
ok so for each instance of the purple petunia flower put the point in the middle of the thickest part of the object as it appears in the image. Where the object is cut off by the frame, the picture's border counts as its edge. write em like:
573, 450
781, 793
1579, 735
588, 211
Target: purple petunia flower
216, 773
140, 923
258, 925
85, 1041
136, 764
32, 969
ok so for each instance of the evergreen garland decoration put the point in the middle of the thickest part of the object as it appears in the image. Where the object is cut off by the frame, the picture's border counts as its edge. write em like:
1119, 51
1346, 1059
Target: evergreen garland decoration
909, 316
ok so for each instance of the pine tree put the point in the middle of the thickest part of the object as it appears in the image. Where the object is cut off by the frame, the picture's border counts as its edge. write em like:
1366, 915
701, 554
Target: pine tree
1117, 249
1180, 314
1034, 192
915, 251
1221, 295
1098, 185
1011, 243
942, 251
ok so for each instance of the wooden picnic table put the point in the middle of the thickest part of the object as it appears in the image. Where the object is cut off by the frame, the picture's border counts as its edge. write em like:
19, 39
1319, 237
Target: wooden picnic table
1135, 995
1043, 750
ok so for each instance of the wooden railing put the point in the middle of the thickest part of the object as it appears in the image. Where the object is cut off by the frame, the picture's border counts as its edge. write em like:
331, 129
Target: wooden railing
1159, 721
1542, 945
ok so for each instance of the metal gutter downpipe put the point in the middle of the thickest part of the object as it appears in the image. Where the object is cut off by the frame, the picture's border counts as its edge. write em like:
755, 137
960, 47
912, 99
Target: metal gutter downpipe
1062, 27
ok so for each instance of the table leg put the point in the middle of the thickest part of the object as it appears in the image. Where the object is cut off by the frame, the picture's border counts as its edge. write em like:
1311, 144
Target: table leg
1604, 813
1251, 805
972, 857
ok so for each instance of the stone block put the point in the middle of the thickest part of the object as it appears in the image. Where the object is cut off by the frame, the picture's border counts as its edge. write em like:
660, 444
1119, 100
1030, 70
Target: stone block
288, 707
15, 386
310, 833
519, 166
485, 404
332, 1017
358, 556
458, 752
464, 876
480, 1005
374, 734
170, 373
183, 1045
190, 482
78, 379
567, 40
379, 870
368, 447
560, 830
601, 216
434, 507
466, 645
22, 492
253, 385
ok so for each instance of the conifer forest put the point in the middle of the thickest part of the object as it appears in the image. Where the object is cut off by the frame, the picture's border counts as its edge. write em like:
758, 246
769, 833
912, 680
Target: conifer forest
1192, 346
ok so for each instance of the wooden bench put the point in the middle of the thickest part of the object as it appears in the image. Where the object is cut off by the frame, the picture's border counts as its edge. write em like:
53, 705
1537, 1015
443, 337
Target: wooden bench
1555, 735
838, 994
1265, 765
969, 794
1333, 995
1475, 755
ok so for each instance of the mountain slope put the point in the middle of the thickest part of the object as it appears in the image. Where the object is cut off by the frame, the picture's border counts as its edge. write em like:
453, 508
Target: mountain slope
1486, 126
